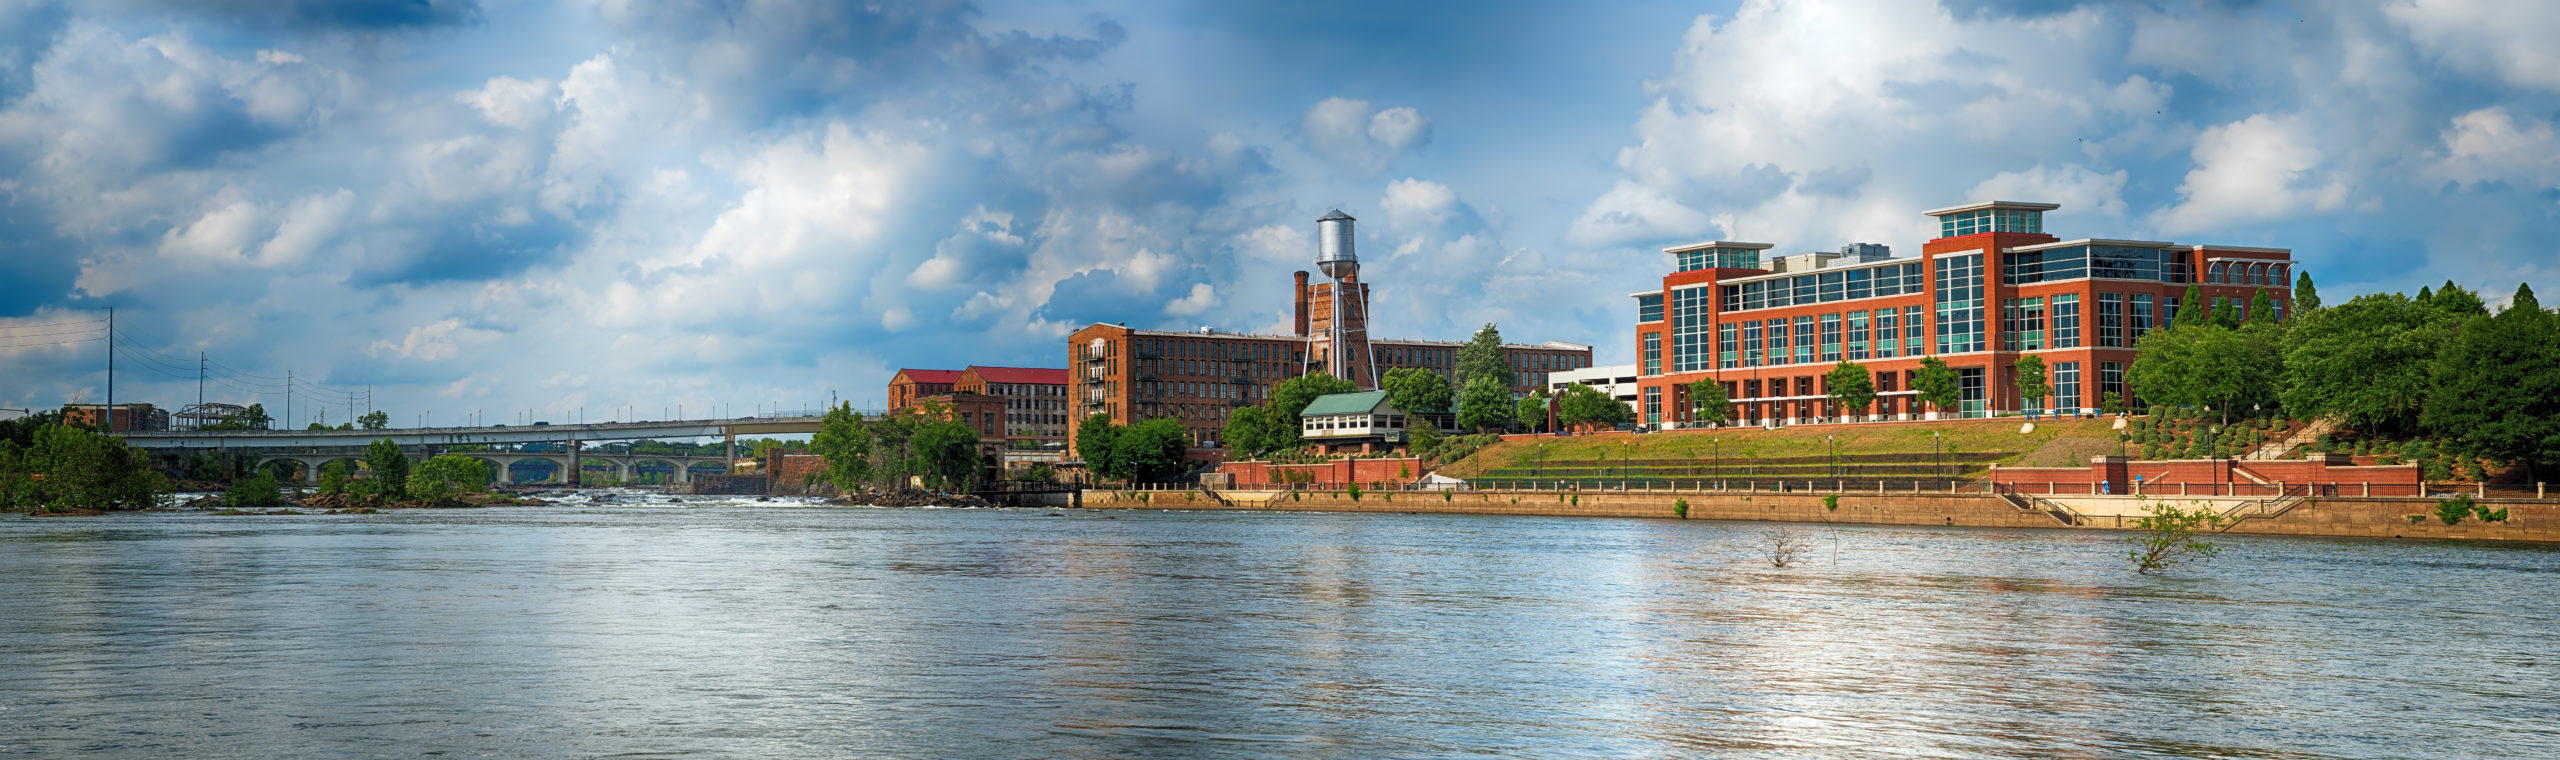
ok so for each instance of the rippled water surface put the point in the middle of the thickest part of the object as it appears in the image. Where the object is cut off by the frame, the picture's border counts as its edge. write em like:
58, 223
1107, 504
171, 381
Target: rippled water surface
723, 629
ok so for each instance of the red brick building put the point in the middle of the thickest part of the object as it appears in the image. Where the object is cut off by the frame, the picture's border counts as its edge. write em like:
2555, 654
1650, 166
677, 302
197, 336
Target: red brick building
1992, 287
1035, 413
128, 417
910, 385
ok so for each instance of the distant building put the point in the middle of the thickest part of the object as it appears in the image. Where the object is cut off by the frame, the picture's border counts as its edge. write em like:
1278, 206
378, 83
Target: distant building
1035, 413
911, 384
128, 417
1618, 381
1992, 287
1344, 420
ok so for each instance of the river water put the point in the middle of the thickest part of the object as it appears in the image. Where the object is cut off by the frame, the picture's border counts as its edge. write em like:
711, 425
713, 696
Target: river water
723, 629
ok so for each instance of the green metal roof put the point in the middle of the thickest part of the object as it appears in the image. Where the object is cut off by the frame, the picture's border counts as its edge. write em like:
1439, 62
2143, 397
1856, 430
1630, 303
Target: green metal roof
1344, 403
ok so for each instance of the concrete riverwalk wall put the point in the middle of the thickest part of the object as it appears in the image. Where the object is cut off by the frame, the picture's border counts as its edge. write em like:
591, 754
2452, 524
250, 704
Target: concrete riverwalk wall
2376, 517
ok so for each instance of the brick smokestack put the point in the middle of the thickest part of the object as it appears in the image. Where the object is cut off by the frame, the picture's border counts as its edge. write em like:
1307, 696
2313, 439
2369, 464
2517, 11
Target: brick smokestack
1302, 302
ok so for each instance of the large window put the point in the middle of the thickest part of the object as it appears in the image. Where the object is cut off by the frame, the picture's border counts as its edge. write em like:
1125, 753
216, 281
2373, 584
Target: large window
1990, 220
1778, 341
1727, 357
2066, 386
1823, 287
1915, 331
1888, 333
2111, 380
1751, 344
1833, 286
1719, 258
1689, 326
1857, 321
1653, 353
1959, 303
1649, 308
2066, 320
1804, 340
2022, 324
1830, 337
2111, 320
1971, 397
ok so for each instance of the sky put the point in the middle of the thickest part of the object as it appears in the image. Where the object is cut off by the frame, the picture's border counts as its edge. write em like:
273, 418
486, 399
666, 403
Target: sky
601, 209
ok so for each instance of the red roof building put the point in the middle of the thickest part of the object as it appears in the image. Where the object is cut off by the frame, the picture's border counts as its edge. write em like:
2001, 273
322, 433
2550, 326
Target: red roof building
911, 385
1035, 409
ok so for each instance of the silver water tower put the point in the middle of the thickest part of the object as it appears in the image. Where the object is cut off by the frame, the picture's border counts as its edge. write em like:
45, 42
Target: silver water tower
1333, 246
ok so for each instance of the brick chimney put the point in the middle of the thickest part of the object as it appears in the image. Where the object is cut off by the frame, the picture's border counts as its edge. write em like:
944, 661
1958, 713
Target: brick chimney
1301, 277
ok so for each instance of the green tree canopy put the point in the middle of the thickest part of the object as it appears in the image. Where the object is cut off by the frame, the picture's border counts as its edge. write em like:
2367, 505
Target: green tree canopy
1483, 356
444, 477
82, 469
2306, 297
2210, 366
390, 468
1936, 383
2262, 309
2370, 361
1293, 395
2193, 311
1850, 387
374, 420
1531, 411
846, 447
1151, 450
1417, 390
2032, 385
2498, 385
1485, 404
1096, 440
1246, 433
1707, 402
1583, 403
2226, 313
946, 453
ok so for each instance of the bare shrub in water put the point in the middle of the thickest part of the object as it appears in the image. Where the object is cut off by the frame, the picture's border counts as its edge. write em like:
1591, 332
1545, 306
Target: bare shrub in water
1785, 543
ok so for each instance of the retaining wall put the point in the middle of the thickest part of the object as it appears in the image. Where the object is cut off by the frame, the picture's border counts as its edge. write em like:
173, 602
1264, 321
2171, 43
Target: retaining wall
2377, 517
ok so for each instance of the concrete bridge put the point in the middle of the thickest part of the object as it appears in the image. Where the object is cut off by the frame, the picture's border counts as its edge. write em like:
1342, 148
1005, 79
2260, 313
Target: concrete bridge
313, 448
502, 464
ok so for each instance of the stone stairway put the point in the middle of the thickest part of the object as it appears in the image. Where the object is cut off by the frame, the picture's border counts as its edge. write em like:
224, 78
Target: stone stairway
2312, 432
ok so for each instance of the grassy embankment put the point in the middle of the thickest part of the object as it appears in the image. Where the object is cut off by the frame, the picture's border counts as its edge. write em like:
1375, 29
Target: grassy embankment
1882, 449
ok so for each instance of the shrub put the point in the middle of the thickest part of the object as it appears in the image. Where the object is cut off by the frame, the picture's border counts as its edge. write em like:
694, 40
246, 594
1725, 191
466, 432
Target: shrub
258, 490
2386, 459
1831, 502
2452, 510
334, 475
2415, 519
2169, 537
1680, 509
2436, 470
1352, 491
1577, 500
447, 476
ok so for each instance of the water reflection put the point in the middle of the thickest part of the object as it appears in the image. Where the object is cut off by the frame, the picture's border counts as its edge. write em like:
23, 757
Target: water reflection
720, 628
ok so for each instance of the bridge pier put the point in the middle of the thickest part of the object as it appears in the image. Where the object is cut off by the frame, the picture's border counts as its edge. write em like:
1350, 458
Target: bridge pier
575, 464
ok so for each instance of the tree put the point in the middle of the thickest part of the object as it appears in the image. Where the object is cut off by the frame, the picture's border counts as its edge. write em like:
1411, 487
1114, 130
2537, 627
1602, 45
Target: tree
2262, 309
1707, 402
2455, 301
2370, 361
1936, 383
946, 453
1583, 403
334, 476
1530, 411
2031, 381
2170, 539
1280, 423
390, 468
445, 476
2497, 387
1485, 404
2209, 366
1483, 357
73, 468
2226, 313
846, 447
1851, 389
374, 420
1417, 391
2305, 296
1150, 450
2192, 310
1096, 440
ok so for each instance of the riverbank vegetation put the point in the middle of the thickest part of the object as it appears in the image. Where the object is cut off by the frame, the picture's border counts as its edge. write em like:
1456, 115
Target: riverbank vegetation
928, 444
2172, 536
71, 469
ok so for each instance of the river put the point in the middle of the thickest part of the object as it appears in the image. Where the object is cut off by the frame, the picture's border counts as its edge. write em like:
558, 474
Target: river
718, 628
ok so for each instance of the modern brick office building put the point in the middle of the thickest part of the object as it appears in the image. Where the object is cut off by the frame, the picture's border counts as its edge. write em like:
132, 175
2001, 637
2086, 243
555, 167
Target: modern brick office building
1201, 377
1992, 287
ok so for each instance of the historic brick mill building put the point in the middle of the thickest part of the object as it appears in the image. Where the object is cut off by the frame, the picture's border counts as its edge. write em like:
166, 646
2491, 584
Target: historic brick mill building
1993, 287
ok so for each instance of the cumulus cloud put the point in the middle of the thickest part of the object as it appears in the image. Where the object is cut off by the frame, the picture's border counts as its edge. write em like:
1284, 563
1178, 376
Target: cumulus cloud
1358, 134
2253, 170
2492, 145
1202, 296
2509, 40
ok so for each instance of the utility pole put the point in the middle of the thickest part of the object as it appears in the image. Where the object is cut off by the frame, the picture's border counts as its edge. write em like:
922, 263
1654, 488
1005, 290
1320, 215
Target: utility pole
111, 370
199, 382
288, 399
